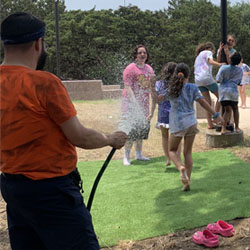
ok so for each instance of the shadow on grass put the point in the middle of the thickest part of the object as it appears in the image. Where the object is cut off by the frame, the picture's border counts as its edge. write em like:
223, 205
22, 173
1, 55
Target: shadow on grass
220, 192
143, 201
144, 163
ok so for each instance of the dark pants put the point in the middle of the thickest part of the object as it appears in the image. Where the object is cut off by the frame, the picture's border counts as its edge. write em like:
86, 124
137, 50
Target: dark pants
47, 214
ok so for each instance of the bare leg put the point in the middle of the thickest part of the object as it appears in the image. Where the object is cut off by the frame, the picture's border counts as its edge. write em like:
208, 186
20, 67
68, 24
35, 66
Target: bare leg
188, 160
207, 97
175, 157
174, 143
165, 135
244, 96
236, 118
226, 117
179, 151
240, 89
217, 105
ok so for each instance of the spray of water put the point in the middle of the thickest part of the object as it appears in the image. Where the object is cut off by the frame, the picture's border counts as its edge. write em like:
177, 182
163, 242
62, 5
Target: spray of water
134, 122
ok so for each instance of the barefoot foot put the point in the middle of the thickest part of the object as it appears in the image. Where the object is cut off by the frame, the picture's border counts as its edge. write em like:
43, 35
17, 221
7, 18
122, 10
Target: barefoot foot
184, 177
186, 188
168, 163
237, 130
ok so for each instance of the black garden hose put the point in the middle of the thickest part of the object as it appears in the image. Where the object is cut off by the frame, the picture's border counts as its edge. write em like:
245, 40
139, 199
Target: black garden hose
104, 166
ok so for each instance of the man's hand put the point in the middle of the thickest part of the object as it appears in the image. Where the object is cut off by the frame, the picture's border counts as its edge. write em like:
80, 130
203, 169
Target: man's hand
117, 139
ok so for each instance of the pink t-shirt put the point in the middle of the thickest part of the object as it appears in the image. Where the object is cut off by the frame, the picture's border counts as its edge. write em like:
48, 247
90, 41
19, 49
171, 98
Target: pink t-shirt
138, 79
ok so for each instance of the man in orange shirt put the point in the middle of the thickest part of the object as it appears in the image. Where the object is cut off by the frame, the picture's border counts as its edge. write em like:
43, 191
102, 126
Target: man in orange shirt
39, 133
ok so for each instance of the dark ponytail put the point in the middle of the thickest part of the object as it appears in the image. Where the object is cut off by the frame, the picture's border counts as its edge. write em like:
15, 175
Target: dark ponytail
176, 84
167, 72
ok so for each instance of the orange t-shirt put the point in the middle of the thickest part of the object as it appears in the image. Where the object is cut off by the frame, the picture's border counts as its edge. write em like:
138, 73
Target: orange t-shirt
33, 105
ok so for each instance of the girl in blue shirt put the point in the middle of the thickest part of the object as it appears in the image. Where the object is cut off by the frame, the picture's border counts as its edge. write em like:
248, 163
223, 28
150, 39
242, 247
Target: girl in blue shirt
164, 108
229, 77
182, 120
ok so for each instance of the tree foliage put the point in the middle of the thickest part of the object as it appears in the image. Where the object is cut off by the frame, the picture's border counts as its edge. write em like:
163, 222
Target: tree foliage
99, 44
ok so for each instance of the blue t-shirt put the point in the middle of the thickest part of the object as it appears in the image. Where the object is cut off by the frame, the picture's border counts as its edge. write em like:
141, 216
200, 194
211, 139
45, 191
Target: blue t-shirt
182, 113
229, 77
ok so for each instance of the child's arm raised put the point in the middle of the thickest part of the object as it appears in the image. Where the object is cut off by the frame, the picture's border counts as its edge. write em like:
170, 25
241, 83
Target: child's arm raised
219, 52
221, 47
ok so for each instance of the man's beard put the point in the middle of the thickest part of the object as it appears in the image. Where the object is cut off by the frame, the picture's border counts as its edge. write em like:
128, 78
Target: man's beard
41, 61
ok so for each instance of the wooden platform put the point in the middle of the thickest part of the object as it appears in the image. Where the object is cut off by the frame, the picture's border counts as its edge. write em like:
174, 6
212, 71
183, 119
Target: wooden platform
217, 140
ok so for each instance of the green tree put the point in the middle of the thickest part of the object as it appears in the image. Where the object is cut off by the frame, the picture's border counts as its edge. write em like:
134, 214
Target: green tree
239, 25
99, 44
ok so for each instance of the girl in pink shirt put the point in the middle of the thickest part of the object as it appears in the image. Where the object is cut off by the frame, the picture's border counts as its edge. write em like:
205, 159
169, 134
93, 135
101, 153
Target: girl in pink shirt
135, 103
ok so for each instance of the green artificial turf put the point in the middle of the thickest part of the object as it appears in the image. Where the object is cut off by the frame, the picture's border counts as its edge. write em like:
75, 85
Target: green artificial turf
144, 200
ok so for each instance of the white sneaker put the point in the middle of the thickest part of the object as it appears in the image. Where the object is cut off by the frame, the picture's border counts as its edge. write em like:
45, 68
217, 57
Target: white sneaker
126, 162
142, 158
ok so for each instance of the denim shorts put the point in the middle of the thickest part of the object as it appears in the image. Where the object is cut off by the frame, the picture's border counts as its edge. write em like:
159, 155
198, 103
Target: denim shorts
211, 87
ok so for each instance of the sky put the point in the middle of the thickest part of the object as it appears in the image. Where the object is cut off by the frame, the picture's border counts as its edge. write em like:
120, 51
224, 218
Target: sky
114, 4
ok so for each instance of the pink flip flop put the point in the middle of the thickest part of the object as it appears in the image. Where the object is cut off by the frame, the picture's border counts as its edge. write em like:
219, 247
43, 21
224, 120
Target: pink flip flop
206, 238
222, 228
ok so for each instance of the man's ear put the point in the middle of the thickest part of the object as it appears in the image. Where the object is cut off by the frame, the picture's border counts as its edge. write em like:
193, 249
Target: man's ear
38, 44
